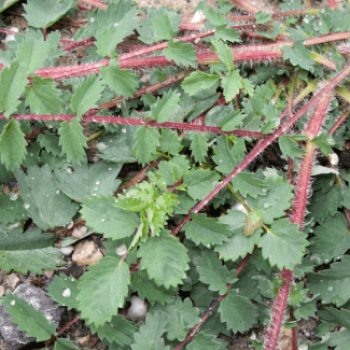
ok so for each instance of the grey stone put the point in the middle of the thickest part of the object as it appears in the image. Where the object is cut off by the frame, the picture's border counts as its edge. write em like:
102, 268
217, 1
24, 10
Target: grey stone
16, 339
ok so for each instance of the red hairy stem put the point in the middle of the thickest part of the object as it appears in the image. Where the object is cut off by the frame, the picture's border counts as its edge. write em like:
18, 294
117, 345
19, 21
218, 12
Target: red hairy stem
146, 90
299, 207
94, 343
246, 53
141, 122
84, 8
245, 5
83, 42
212, 306
339, 122
94, 3
264, 144
173, 187
333, 4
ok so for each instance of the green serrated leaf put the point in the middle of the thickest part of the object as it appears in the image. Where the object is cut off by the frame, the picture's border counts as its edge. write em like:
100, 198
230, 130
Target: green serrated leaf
31, 251
122, 81
102, 214
332, 238
212, 272
170, 142
181, 53
165, 107
205, 342
232, 120
283, 245
181, 316
28, 318
64, 291
261, 17
43, 97
118, 330
197, 81
44, 13
11, 210
224, 53
199, 147
289, 147
333, 283
298, 55
108, 38
276, 201
46, 205
49, 141
147, 289
65, 344
231, 84
72, 140
227, 34
165, 260
145, 144
248, 184
149, 335
238, 312
98, 179
86, 95
206, 231
200, 182
322, 141
103, 290
12, 145
12, 83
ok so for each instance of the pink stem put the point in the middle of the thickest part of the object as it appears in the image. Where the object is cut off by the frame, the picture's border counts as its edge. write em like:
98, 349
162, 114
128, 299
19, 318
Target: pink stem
83, 42
263, 145
299, 207
339, 122
94, 3
130, 121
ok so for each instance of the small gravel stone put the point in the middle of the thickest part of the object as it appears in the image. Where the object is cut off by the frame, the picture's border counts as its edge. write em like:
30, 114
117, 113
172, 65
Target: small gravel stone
48, 273
85, 253
12, 281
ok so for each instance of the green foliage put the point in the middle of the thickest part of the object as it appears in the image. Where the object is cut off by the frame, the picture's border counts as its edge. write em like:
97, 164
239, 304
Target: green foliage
102, 214
72, 141
298, 55
146, 143
12, 83
165, 260
44, 202
164, 108
31, 251
44, 13
103, 290
64, 291
199, 147
181, 53
28, 318
261, 17
206, 231
11, 209
289, 147
197, 81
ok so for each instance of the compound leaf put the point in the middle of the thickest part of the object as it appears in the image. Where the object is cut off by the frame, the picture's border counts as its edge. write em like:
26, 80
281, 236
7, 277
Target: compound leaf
103, 290
102, 214
206, 231
46, 205
97, 179
31, 251
165, 260
212, 272
72, 140
64, 291
247, 183
224, 53
283, 245
238, 312
181, 316
298, 55
12, 83
289, 147
170, 142
49, 141
149, 335
28, 318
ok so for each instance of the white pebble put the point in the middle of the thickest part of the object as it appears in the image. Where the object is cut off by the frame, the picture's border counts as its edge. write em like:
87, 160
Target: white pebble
137, 310
66, 250
10, 37
121, 249
66, 293
333, 159
240, 207
79, 232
